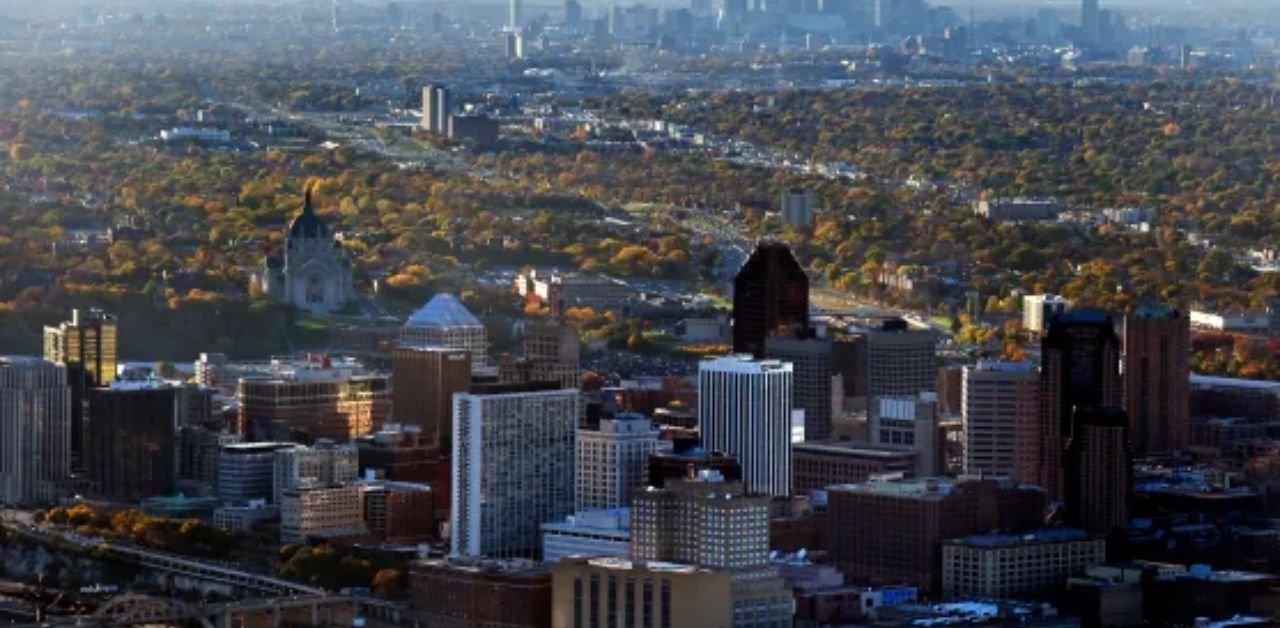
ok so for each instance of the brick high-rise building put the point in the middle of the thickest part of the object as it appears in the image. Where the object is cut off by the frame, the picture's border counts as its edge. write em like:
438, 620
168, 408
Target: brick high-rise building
35, 430
1157, 396
1080, 369
770, 295
87, 345
1098, 470
891, 530
611, 460
811, 363
1000, 413
744, 409
302, 403
423, 382
513, 468
132, 440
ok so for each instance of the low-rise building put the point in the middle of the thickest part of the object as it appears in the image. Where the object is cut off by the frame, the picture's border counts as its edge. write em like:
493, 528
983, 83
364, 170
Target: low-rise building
590, 533
1002, 566
1017, 209
480, 594
399, 511
321, 512
595, 591
818, 465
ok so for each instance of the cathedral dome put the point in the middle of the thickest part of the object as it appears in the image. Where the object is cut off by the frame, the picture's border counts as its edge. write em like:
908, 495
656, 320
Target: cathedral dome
307, 224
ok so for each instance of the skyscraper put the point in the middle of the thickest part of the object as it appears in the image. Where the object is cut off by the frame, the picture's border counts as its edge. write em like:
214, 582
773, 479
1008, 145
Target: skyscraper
131, 444
423, 382
515, 15
572, 13
87, 346
436, 107
1080, 369
1090, 22
513, 468
744, 409
1000, 412
901, 361
811, 359
302, 403
611, 460
1099, 470
445, 322
1157, 348
770, 294
35, 430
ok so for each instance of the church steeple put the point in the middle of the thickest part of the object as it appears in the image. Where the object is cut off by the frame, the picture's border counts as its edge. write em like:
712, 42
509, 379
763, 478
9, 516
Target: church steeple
307, 224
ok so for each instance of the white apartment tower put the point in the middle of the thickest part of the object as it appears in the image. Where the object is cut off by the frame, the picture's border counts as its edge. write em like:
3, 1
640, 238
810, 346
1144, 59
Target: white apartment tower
35, 430
513, 468
744, 409
611, 461
1000, 413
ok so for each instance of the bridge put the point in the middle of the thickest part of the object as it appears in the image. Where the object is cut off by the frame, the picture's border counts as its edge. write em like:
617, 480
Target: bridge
137, 610
211, 572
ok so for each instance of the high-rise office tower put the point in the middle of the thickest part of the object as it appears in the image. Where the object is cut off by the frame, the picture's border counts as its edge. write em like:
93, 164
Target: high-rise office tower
1090, 22
811, 359
87, 346
910, 422
901, 361
1000, 413
436, 107
513, 468
300, 403
744, 409
770, 296
611, 460
1080, 369
445, 322
1099, 470
1157, 373
35, 430
572, 14
423, 382
131, 444
515, 15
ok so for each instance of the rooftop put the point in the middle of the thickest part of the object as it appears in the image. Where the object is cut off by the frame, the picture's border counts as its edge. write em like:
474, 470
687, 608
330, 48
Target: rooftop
443, 310
1047, 535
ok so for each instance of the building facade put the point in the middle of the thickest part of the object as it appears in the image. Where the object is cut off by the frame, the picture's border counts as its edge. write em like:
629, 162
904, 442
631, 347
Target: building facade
246, 471
770, 295
819, 465
513, 468
325, 463
910, 422
314, 272
321, 512
611, 460
602, 592
744, 409
901, 362
87, 346
1039, 309
35, 430
301, 403
424, 380
480, 593
132, 444
1000, 415
1098, 470
588, 533
1157, 372
811, 361
1006, 566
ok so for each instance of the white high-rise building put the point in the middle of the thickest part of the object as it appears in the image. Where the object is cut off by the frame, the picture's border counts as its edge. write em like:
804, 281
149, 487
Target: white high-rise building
744, 409
611, 460
322, 464
35, 430
1000, 412
1039, 309
513, 468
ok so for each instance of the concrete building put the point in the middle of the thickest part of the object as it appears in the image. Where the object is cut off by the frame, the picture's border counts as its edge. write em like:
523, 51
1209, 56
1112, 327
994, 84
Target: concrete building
600, 592
819, 465
891, 530
246, 471
445, 322
302, 402
591, 533
321, 512
797, 207
480, 594
910, 422
1249, 323
901, 362
131, 451
513, 468
1039, 309
611, 460
1080, 368
770, 297
561, 291
1018, 566
323, 464
745, 409
1157, 371
1017, 209
87, 346
35, 430
1000, 414
1098, 470
437, 106
313, 273
424, 380
811, 360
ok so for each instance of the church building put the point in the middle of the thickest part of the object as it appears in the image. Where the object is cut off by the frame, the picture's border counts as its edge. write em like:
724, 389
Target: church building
314, 273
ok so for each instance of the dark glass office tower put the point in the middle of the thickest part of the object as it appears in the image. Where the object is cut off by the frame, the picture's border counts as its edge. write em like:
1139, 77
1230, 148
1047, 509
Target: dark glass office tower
770, 294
